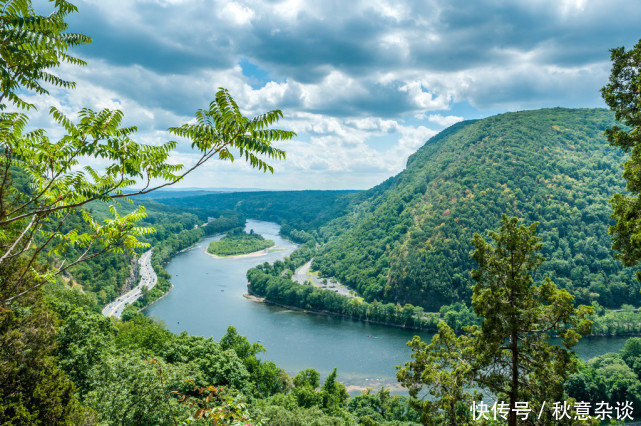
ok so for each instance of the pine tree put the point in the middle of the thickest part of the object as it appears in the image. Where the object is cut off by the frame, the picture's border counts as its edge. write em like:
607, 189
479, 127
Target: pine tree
510, 354
514, 357
623, 95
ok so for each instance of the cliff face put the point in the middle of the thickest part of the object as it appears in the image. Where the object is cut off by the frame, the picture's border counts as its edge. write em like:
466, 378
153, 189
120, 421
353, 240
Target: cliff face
134, 274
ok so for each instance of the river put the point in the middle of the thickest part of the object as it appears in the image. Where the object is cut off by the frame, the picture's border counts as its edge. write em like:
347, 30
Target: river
207, 297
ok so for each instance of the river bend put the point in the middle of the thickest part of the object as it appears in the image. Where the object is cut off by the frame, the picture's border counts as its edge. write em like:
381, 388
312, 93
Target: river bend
208, 296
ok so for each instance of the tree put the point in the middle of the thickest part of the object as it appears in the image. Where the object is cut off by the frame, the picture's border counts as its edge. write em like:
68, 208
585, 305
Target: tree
32, 45
34, 389
59, 189
334, 394
45, 183
59, 181
85, 339
445, 367
623, 95
631, 352
308, 377
513, 355
509, 354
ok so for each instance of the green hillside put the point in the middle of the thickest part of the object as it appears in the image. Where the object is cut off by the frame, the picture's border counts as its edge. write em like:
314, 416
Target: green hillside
408, 239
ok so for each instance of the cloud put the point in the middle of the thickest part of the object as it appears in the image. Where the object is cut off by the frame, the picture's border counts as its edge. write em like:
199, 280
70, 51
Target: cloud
444, 121
237, 13
362, 82
309, 46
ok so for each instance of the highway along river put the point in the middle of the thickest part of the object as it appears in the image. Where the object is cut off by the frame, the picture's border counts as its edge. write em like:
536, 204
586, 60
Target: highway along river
208, 296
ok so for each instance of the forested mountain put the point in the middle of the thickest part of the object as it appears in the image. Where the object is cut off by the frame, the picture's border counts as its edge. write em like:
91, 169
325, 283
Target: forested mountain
408, 239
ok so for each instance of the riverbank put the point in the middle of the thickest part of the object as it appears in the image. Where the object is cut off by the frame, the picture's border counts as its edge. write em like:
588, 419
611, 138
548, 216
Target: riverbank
258, 253
624, 327
256, 298
156, 300
365, 353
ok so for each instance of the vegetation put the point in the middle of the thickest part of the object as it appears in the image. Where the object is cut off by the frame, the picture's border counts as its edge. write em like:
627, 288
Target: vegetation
623, 96
239, 242
136, 371
274, 283
108, 275
66, 244
300, 213
39, 215
407, 240
59, 185
171, 240
612, 378
626, 321
509, 354
285, 292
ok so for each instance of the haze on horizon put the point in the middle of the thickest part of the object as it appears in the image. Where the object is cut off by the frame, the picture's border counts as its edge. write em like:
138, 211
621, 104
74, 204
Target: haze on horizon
363, 83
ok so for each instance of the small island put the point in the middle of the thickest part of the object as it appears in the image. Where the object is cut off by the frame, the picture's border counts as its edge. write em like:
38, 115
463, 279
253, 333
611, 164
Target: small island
239, 242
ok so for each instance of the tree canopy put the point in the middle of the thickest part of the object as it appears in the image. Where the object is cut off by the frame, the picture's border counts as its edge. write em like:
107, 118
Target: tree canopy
61, 176
406, 240
510, 354
623, 96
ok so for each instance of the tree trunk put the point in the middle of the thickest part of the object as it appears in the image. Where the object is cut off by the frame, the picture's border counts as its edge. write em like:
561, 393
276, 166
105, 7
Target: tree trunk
514, 392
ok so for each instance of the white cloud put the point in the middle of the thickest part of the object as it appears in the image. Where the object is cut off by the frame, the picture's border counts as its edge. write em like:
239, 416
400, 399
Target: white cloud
349, 76
237, 13
424, 99
445, 121
413, 138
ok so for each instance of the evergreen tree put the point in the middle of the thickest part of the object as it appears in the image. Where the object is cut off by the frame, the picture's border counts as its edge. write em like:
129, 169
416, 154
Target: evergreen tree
513, 355
445, 368
623, 96
509, 354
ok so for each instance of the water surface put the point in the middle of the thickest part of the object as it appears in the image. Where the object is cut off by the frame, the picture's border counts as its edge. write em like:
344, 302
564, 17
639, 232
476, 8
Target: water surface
207, 297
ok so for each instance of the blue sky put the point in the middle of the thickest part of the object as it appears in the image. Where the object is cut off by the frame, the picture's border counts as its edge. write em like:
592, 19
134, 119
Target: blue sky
363, 83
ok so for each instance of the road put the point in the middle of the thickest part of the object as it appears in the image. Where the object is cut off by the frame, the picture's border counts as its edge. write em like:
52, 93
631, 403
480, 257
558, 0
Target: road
148, 279
302, 274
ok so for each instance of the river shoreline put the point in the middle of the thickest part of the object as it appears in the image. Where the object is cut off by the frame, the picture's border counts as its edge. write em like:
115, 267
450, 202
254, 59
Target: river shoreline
258, 299
262, 252
364, 352
156, 300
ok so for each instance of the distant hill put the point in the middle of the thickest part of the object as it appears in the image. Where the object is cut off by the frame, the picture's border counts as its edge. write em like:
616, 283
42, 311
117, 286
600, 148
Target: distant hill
170, 192
407, 240
301, 213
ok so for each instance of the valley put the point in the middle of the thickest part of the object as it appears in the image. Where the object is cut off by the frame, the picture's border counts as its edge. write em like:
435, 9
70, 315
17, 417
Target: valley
295, 213
364, 354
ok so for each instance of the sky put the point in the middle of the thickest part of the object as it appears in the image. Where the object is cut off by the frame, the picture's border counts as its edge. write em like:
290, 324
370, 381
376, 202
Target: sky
364, 84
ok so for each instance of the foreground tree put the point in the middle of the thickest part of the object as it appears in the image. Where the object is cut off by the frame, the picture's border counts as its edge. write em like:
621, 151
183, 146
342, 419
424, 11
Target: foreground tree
44, 183
513, 355
623, 95
509, 354
445, 368
59, 176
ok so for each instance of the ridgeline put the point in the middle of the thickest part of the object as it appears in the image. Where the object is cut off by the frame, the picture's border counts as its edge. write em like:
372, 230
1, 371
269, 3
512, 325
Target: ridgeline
407, 240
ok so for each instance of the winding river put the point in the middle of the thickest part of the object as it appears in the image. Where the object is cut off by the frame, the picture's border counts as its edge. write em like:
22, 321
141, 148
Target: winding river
207, 297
